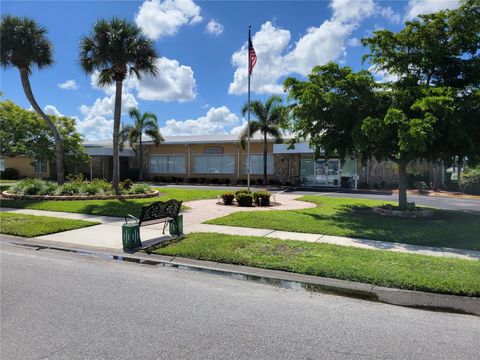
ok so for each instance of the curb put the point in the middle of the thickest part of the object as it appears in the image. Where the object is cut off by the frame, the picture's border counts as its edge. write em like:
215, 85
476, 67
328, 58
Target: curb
369, 292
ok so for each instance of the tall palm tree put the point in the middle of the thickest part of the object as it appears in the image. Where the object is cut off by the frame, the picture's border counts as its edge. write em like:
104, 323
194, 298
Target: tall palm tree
270, 118
117, 48
145, 123
23, 44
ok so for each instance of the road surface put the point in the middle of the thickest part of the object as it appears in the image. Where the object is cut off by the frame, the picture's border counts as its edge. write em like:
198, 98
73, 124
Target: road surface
58, 305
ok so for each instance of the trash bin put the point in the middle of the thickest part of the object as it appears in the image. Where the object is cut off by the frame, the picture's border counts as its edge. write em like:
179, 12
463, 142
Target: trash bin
131, 236
176, 227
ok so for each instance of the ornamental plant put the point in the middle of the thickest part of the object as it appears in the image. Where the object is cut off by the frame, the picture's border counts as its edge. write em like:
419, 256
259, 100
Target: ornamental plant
262, 198
228, 198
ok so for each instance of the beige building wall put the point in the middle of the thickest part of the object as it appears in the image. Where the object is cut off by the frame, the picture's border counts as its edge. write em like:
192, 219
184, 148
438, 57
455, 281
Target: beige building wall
24, 165
190, 151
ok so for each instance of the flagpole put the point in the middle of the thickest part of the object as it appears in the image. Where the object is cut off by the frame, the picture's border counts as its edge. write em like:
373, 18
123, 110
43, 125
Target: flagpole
248, 123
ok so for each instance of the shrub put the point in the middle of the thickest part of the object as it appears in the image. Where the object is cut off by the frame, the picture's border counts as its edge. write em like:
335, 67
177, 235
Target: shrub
126, 184
90, 188
228, 198
262, 198
29, 187
9, 174
421, 186
140, 188
49, 188
470, 181
242, 191
227, 181
193, 180
244, 199
104, 185
68, 189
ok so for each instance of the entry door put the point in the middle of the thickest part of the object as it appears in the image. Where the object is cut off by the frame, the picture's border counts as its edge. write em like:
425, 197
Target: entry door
327, 172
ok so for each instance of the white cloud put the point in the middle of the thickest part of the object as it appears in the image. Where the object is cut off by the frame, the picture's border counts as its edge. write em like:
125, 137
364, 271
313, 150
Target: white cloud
277, 58
390, 14
354, 42
95, 128
270, 43
68, 85
216, 121
238, 129
214, 28
382, 75
52, 110
159, 18
174, 82
106, 105
419, 7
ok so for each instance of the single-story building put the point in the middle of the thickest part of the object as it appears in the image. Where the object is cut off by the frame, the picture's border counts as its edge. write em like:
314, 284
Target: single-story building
27, 167
222, 156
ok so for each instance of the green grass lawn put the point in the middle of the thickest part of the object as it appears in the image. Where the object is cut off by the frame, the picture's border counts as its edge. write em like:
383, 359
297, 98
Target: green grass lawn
384, 268
336, 216
112, 207
32, 225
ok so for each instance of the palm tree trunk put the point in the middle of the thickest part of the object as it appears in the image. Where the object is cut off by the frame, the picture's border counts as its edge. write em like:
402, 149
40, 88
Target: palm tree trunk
56, 135
402, 185
140, 172
116, 132
265, 158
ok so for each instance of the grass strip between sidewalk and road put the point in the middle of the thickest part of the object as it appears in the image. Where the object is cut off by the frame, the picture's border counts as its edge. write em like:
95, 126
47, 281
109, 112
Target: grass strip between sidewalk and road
33, 225
350, 217
112, 207
378, 267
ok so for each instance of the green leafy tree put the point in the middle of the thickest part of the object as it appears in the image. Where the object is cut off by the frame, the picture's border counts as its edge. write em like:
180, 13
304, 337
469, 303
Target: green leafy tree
269, 119
25, 133
117, 48
24, 44
438, 50
145, 123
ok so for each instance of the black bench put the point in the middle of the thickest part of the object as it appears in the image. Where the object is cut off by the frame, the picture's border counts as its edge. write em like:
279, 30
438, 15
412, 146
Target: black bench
158, 212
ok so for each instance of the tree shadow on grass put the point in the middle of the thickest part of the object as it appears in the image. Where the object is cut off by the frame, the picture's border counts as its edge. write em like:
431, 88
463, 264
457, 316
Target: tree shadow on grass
453, 229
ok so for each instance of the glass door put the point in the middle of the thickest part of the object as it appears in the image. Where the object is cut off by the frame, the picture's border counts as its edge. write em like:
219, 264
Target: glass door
327, 173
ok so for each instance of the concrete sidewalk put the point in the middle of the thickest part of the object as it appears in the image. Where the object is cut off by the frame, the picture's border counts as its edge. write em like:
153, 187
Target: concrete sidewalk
108, 234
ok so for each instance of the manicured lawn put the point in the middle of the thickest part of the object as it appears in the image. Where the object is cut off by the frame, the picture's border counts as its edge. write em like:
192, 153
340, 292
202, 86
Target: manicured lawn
111, 207
30, 225
336, 216
384, 268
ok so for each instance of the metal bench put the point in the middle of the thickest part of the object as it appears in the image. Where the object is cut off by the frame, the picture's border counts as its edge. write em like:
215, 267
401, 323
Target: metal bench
157, 213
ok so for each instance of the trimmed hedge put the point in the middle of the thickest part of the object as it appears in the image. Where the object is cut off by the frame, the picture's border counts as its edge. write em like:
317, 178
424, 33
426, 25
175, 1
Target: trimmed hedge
9, 174
228, 198
244, 198
470, 181
262, 198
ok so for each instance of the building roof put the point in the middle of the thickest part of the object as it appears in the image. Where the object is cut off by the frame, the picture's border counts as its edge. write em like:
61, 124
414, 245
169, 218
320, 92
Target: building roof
184, 139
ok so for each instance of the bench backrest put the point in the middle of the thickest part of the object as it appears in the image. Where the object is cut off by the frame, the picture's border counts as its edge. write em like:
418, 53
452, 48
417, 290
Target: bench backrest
160, 210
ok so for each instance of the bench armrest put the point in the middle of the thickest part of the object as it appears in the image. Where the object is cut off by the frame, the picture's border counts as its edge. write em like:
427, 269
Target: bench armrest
131, 216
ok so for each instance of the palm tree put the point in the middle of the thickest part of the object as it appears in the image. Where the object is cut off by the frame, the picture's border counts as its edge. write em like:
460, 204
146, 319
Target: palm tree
117, 48
145, 123
23, 44
271, 117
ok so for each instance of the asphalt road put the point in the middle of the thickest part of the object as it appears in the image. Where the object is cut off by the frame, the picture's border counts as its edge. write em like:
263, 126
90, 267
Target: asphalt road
63, 306
431, 201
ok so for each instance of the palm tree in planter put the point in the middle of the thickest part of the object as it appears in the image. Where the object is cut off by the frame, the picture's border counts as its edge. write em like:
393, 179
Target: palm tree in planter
116, 49
145, 123
23, 44
269, 119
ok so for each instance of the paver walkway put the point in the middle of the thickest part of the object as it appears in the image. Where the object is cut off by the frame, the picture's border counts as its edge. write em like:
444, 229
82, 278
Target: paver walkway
108, 234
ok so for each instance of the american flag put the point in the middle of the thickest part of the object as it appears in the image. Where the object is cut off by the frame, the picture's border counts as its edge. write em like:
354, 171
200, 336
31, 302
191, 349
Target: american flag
252, 56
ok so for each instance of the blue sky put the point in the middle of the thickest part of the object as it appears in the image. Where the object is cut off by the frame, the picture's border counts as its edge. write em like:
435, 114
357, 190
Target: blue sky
202, 82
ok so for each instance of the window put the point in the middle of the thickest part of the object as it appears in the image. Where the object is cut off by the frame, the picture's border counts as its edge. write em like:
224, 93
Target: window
214, 164
213, 150
2, 164
256, 164
39, 166
167, 164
